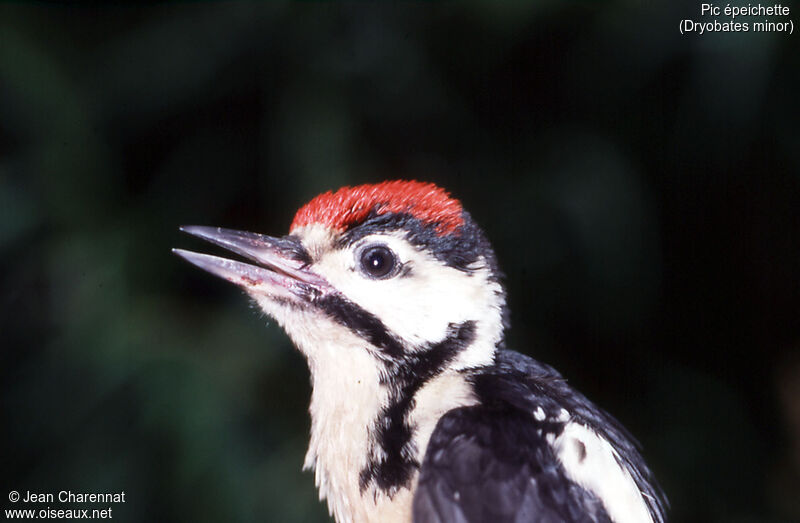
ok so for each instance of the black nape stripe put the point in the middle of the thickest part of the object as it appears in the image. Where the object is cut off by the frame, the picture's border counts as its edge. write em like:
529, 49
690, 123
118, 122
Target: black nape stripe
405, 374
405, 378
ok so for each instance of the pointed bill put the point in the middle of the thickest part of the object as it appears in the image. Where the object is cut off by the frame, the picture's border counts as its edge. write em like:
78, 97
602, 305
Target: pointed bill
282, 270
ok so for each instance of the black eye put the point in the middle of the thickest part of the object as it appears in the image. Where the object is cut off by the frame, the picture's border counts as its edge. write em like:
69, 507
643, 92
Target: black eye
378, 261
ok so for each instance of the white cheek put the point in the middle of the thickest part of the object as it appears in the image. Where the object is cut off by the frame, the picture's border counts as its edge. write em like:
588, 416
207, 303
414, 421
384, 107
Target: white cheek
421, 305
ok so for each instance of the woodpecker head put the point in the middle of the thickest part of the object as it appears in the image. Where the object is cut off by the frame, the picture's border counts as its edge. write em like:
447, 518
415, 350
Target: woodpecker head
399, 264
392, 293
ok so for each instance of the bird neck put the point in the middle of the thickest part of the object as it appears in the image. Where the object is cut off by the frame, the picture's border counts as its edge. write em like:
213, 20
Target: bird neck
369, 429
346, 398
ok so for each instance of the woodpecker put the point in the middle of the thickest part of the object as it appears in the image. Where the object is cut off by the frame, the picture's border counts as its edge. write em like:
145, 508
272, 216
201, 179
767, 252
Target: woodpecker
418, 410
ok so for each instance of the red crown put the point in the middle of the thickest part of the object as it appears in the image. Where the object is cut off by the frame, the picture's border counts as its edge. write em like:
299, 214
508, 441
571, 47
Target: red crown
350, 206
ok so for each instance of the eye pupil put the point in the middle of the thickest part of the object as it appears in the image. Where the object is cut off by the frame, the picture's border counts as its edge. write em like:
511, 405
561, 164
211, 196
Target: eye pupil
378, 261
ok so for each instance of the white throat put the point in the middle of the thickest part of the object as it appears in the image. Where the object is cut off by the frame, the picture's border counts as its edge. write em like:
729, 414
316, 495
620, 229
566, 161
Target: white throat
346, 400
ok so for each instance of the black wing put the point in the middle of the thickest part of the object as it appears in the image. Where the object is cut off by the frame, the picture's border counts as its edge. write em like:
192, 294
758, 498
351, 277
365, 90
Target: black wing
527, 384
493, 464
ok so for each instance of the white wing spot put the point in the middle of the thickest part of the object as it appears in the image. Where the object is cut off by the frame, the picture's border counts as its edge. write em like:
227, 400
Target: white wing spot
563, 415
590, 461
539, 414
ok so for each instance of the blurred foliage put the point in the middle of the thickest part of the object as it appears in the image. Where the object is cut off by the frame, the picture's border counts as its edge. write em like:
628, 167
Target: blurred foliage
641, 189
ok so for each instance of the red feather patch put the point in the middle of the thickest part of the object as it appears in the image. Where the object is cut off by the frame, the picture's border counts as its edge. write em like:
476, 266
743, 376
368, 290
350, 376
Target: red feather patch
350, 206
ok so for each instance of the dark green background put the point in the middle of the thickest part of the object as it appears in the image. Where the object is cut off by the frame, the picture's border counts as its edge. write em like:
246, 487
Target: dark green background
642, 190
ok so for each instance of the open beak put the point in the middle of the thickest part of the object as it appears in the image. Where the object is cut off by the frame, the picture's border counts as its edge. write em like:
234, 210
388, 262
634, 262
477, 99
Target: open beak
282, 263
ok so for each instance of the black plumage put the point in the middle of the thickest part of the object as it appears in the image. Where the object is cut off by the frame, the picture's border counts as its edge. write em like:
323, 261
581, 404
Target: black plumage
492, 461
